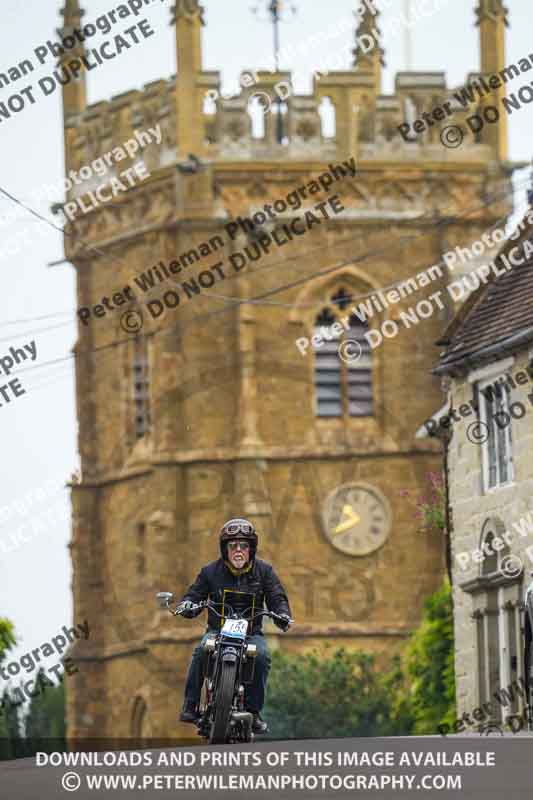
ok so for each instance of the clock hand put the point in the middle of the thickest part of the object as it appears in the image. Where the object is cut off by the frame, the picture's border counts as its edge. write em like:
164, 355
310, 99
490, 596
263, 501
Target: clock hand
354, 519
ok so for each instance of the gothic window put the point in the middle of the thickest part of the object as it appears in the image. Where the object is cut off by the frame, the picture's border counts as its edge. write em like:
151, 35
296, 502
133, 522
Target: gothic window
496, 452
343, 366
141, 387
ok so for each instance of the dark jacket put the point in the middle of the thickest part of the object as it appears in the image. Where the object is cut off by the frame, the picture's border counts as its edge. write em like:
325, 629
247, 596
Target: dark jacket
257, 586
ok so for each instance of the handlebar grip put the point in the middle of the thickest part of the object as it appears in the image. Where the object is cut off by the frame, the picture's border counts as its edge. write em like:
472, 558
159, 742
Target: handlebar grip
182, 609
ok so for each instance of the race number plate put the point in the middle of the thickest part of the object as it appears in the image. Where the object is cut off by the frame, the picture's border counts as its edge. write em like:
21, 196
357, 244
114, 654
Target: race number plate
236, 628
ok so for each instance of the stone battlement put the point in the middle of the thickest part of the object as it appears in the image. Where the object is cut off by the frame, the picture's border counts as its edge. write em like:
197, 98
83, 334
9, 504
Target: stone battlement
315, 125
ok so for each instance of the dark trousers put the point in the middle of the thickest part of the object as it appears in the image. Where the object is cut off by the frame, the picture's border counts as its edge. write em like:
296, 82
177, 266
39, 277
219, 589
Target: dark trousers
254, 693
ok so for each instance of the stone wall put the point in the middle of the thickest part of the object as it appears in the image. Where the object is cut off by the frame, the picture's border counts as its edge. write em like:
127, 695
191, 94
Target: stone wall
472, 507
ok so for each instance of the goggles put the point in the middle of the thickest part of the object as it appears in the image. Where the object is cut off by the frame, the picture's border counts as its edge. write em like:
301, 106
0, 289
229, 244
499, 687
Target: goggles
238, 546
239, 527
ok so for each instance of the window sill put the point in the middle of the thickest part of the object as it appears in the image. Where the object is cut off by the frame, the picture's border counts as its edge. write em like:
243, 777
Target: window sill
498, 487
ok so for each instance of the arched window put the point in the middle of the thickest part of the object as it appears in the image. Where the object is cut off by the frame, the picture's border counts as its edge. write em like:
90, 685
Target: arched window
490, 561
210, 104
343, 362
410, 114
140, 724
326, 111
257, 108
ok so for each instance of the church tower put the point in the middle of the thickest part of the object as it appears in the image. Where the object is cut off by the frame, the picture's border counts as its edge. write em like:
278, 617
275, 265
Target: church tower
211, 391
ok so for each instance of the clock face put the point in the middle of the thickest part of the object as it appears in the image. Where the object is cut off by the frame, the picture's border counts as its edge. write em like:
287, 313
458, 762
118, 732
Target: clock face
357, 519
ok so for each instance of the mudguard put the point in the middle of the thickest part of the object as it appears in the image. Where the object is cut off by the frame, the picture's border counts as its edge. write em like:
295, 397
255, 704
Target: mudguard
229, 655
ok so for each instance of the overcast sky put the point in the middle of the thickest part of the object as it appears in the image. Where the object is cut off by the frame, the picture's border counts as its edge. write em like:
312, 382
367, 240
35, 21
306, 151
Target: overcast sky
38, 429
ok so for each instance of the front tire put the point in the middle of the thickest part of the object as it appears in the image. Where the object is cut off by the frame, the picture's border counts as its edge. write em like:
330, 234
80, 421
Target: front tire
223, 702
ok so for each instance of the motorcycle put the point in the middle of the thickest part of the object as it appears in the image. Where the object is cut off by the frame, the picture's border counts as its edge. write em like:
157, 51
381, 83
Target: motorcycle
228, 664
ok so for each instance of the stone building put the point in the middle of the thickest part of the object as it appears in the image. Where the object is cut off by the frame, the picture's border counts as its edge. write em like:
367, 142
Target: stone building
488, 363
210, 410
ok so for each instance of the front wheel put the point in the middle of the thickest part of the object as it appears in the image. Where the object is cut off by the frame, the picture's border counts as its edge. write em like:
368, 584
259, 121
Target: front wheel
223, 702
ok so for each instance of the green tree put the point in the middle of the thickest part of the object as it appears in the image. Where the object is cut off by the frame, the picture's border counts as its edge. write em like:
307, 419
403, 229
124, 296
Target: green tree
428, 688
45, 721
343, 695
43, 728
7, 637
11, 740
425, 685
9, 721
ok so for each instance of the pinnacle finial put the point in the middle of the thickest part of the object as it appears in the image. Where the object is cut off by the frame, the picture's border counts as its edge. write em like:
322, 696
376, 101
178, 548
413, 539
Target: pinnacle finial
491, 9
187, 9
72, 13
368, 48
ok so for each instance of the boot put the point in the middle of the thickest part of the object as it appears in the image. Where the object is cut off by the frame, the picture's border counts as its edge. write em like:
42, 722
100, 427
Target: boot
189, 712
258, 725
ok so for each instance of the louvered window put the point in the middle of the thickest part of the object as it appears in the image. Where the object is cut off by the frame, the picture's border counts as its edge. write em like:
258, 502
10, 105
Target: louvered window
343, 364
141, 387
360, 396
328, 371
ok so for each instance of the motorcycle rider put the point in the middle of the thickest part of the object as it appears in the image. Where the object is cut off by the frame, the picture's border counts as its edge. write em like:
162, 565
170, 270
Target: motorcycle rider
241, 580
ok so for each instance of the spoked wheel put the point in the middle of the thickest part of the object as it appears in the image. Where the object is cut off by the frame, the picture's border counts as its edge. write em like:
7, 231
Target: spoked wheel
223, 702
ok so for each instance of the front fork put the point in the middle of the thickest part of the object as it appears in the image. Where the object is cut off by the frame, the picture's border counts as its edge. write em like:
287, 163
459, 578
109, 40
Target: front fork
240, 697
211, 666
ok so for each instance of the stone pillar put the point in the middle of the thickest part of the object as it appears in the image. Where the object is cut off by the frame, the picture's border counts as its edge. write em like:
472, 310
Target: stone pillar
74, 92
188, 16
492, 20
344, 89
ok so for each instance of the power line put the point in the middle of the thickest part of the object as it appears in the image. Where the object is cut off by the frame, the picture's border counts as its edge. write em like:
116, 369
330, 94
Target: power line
37, 319
24, 334
113, 259
405, 237
166, 330
64, 231
397, 283
199, 317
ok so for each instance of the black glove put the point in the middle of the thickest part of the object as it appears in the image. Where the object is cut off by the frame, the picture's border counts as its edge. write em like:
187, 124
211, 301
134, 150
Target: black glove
284, 623
185, 609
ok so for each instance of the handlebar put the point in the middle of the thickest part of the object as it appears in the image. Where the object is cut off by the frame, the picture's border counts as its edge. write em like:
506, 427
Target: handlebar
209, 604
